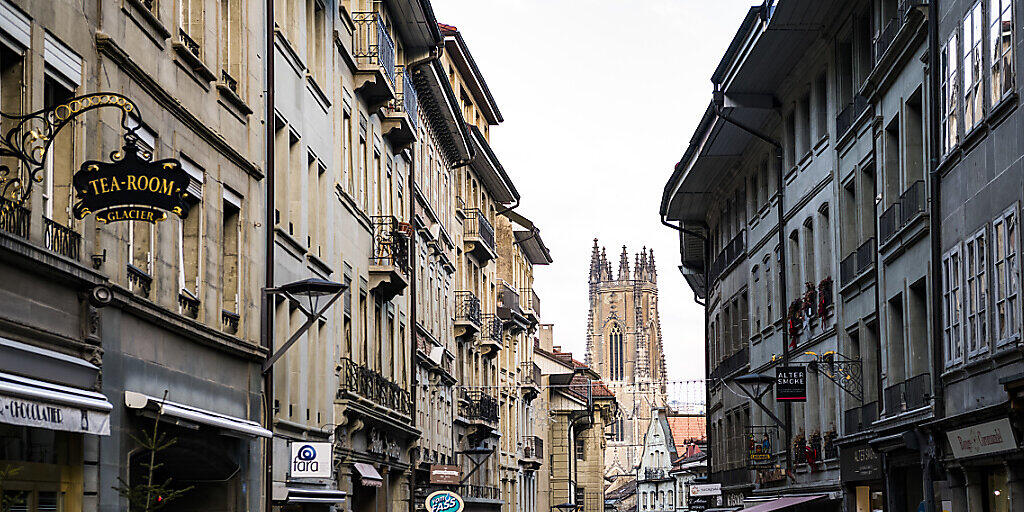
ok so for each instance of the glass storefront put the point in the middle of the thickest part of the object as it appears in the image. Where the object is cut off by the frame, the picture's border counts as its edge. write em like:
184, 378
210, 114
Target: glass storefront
41, 470
998, 491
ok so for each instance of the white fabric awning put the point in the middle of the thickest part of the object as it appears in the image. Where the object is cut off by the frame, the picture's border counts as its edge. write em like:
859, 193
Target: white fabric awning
325, 496
195, 415
35, 403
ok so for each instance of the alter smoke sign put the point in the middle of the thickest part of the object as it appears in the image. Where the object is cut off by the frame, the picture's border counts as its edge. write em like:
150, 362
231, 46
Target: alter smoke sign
791, 383
310, 460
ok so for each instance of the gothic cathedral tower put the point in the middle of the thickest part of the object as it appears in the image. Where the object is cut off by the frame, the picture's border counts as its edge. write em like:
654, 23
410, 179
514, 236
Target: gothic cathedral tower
624, 346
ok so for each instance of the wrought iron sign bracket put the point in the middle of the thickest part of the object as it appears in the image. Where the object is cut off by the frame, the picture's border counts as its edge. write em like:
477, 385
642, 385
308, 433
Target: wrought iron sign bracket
846, 372
30, 138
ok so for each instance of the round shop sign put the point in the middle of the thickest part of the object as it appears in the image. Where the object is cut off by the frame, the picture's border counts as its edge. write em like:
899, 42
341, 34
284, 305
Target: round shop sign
444, 501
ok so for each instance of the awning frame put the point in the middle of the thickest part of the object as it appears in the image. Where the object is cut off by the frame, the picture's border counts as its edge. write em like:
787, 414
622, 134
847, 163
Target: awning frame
228, 424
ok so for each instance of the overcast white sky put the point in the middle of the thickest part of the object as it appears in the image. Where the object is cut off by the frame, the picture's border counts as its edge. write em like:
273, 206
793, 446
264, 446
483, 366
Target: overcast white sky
600, 98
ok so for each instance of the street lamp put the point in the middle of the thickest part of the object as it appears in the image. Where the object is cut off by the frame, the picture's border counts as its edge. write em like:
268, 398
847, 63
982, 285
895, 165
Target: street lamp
566, 507
312, 290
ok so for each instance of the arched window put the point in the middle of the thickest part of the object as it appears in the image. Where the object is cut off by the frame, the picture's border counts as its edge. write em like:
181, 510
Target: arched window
617, 352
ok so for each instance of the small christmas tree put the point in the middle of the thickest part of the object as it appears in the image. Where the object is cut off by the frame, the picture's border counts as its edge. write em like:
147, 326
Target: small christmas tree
9, 500
151, 496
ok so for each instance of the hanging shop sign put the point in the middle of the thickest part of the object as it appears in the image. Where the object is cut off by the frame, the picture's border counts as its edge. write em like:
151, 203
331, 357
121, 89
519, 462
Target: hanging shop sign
31, 413
445, 501
131, 187
700, 503
445, 475
760, 445
310, 460
981, 439
705, 490
859, 463
791, 383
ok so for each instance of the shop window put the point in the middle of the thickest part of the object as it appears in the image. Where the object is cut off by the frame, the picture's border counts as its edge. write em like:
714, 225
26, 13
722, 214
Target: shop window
998, 491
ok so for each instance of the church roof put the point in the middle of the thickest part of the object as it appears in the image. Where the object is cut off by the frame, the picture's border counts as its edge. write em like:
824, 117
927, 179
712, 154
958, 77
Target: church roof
687, 430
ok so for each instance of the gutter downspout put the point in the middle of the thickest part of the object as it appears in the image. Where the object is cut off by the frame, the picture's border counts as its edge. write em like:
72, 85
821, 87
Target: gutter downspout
935, 230
780, 197
267, 318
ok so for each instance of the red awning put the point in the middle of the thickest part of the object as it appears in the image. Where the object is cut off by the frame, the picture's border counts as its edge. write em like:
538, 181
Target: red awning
782, 503
368, 475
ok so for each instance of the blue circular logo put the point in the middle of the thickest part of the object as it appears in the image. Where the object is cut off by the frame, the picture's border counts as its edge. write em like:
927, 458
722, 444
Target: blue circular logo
444, 501
306, 453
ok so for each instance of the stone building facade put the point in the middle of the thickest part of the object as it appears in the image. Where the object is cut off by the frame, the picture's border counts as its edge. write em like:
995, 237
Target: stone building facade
624, 347
900, 197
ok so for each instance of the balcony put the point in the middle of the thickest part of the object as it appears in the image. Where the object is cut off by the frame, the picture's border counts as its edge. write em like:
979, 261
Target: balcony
731, 364
913, 393
655, 475
857, 263
478, 408
138, 280
374, 52
530, 302
480, 494
188, 304
191, 53
399, 122
363, 384
468, 319
859, 419
532, 454
730, 254
61, 239
892, 27
906, 209
490, 335
14, 218
509, 309
530, 379
850, 113
478, 235
389, 261
229, 321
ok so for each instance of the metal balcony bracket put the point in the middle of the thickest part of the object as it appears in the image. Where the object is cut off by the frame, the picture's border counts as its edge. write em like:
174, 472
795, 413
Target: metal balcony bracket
31, 135
756, 386
477, 456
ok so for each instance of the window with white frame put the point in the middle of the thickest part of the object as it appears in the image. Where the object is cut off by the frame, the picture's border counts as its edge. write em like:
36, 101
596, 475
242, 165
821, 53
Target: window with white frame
769, 283
949, 94
972, 67
1004, 264
755, 284
975, 294
953, 344
1000, 21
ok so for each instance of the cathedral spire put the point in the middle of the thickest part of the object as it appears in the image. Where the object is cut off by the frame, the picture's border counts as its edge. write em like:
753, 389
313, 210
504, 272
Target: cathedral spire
652, 271
624, 265
595, 262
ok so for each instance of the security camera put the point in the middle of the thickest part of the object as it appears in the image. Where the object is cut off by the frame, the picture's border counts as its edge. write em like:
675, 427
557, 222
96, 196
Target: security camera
100, 296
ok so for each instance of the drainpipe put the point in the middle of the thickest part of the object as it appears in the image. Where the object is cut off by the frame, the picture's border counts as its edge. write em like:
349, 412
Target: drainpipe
267, 318
780, 197
935, 231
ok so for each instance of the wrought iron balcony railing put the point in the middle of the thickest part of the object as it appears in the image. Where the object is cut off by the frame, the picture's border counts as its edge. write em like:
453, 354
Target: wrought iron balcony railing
892, 27
728, 255
531, 373
481, 492
467, 307
390, 243
372, 44
509, 298
492, 328
229, 81
139, 280
476, 224
61, 239
530, 301
655, 474
860, 418
732, 364
406, 101
850, 113
533, 447
188, 303
477, 405
908, 395
857, 262
910, 204
190, 44
14, 218
360, 381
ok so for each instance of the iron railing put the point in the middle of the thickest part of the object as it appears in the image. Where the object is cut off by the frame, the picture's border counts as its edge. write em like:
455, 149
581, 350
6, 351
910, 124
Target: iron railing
360, 381
533, 447
229, 320
531, 373
529, 301
656, 474
908, 395
892, 27
189, 304
850, 113
467, 307
732, 364
477, 405
61, 239
491, 329
373, 45
910, 204
829, 450
860, 418
508, 298
149, 4
481, 492
728, 255
390, 243
190, 44
229, 81
476, 224
857, 262
14, 218
406, 101
139, 279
